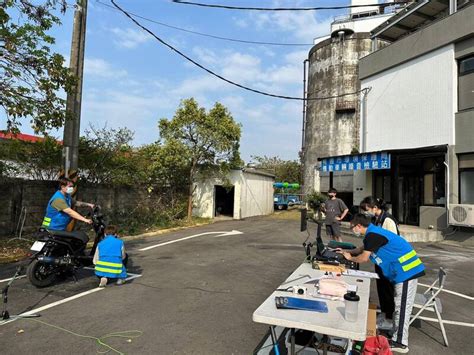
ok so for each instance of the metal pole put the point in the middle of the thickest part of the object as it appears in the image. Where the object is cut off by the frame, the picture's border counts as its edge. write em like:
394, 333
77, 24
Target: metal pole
363, 136
305, 104
73, 102
453, 6
303, 129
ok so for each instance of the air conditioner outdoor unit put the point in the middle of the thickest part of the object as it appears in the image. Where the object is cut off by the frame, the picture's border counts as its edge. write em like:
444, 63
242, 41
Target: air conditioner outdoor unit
461, 215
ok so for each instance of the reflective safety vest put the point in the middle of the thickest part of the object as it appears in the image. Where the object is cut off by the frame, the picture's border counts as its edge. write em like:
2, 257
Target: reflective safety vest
54, 219
109, 263
397, 259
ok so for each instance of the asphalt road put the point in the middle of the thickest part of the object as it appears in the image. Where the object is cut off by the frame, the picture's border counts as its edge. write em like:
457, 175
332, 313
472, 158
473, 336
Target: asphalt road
197, 296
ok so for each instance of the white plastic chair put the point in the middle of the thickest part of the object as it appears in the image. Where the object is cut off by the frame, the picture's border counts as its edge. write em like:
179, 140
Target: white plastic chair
428, 301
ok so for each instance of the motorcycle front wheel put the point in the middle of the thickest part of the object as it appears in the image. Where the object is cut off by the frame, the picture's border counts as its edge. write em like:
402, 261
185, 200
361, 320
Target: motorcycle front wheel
41, 274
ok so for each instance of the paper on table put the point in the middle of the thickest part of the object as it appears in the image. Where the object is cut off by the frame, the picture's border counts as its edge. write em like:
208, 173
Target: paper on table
359, 273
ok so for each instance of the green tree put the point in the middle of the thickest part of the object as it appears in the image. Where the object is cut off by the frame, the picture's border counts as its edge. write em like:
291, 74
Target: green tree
106, 156
31, 76
39, 160
207, 141
284, 170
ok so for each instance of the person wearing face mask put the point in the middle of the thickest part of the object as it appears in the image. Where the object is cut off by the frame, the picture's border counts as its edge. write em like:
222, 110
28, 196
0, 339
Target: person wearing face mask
335, 210
400, 265
376, 209
59, 211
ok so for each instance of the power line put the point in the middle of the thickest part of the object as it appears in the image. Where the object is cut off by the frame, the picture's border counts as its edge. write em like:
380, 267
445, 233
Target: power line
227, 7
221, 77
210, 35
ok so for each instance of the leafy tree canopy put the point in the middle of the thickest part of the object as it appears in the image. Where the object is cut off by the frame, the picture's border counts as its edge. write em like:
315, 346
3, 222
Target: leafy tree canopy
31, 76
284, 170
207, 141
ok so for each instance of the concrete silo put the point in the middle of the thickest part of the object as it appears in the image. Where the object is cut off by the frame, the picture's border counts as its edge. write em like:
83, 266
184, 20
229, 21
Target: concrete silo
331, 126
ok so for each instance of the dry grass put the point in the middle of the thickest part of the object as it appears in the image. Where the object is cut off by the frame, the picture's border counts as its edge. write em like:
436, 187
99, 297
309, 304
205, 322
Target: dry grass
292, 214
12, 249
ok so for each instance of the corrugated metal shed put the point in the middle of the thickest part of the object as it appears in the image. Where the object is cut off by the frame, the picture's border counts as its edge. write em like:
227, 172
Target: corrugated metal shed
248, 193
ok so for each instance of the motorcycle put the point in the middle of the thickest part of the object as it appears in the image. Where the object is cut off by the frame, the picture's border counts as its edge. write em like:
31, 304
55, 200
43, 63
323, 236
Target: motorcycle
60, 254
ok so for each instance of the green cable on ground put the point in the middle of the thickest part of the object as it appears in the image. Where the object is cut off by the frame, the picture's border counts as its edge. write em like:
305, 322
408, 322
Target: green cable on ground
129, 334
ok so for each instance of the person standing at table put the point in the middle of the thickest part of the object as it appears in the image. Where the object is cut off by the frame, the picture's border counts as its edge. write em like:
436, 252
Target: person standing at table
377, 210
400, 265
335, 210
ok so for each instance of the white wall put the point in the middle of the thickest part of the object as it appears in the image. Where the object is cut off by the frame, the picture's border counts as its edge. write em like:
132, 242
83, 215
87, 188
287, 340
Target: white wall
204, 199
256, 195
412, 105
355, 10
364, 24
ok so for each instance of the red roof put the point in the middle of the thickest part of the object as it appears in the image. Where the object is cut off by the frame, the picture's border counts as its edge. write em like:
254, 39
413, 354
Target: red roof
23, 137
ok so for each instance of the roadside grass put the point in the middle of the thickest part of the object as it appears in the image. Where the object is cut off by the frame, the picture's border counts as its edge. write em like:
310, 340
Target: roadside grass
13, 249
293, 214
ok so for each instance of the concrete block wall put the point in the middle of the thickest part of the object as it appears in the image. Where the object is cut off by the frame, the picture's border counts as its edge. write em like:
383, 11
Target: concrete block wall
33, 196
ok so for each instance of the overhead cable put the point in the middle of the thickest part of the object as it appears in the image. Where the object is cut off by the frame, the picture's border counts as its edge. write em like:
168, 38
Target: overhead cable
313, 8
221, 77
210, 35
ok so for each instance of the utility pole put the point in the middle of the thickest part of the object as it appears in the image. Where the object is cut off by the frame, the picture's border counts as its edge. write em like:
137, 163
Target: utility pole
73, 102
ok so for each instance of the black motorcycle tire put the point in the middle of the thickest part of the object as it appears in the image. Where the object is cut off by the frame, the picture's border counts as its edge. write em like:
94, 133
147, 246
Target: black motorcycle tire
37, 277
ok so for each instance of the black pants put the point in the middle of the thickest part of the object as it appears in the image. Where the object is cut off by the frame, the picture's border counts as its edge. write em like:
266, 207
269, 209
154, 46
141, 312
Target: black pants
385, 290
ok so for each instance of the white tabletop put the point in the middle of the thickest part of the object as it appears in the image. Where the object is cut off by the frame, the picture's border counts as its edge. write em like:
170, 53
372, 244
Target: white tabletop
331, 323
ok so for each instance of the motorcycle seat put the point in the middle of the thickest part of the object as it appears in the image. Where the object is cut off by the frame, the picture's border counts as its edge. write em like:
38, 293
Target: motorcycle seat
80, 235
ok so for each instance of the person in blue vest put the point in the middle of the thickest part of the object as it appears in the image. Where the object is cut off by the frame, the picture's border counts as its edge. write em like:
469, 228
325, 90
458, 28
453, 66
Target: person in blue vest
377, 209
400, 265
109, 258
59, 211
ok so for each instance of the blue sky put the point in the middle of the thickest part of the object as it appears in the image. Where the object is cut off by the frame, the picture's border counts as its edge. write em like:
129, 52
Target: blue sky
132, 81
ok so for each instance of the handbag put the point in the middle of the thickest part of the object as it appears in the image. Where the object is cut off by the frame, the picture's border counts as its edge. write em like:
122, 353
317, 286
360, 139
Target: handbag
377, 345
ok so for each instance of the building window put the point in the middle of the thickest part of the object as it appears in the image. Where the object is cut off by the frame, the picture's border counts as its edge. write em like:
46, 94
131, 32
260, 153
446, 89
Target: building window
466, 83
466, 178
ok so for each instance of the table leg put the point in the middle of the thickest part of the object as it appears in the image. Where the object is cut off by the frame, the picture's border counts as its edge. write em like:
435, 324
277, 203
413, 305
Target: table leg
274, 340
349, 346
292, 350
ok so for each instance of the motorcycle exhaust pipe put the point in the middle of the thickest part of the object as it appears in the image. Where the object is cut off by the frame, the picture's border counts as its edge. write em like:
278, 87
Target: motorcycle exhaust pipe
55, 261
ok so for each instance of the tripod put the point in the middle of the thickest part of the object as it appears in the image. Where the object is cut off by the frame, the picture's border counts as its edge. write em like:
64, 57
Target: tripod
5, 317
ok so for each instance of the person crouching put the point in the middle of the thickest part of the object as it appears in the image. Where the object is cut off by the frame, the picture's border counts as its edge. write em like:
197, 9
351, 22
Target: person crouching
109, 257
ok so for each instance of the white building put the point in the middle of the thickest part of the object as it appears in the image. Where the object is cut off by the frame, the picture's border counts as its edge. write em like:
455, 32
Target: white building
248, 193
417, 126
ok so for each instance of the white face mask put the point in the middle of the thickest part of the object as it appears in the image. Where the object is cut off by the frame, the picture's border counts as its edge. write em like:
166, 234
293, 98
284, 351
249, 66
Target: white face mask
356, 232
369, 213
69, 190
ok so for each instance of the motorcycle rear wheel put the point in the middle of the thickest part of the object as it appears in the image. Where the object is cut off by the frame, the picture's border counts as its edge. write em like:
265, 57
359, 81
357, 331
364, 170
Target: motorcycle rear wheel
41, 274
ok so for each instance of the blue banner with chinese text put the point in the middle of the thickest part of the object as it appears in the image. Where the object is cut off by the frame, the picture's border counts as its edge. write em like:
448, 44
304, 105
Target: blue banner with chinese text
369, 161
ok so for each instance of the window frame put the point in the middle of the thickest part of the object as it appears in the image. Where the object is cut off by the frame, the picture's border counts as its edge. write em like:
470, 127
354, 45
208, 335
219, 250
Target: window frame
468, 72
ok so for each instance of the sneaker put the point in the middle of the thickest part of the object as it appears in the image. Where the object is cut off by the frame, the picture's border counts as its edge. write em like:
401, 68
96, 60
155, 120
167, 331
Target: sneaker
386, 324
397, 347
380, 317
120, 282
103, 282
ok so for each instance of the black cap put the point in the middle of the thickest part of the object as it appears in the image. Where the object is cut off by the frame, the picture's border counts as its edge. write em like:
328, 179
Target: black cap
351, 296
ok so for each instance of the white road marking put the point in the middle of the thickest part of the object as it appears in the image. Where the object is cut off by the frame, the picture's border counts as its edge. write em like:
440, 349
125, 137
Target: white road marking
16, 278
65, 300
449, 291
220, 234
463, 324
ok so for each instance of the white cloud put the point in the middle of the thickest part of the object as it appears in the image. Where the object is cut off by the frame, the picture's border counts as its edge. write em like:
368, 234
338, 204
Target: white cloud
129, 38
198, 86
205, 55
96, 67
